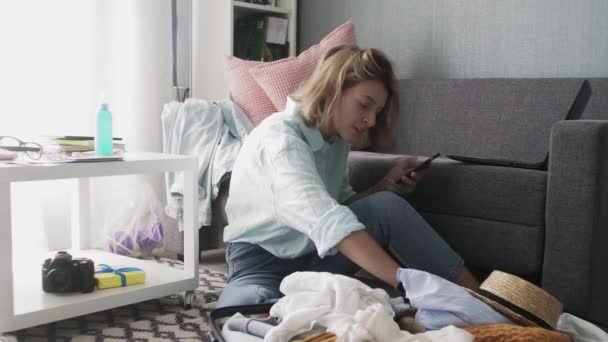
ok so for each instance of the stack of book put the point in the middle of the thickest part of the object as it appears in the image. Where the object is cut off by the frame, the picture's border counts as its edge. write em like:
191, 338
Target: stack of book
261, 38
71, 144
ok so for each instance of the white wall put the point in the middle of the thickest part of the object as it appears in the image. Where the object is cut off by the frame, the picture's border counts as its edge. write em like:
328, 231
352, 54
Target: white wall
211, 41
56, 61
184, 42
472, 38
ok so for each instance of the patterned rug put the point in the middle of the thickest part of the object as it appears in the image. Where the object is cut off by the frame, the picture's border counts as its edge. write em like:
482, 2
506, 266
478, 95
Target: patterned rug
163, 319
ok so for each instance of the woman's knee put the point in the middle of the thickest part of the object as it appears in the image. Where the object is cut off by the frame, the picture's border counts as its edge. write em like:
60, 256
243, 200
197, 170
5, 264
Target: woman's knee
381, 213
387, 197
382, 204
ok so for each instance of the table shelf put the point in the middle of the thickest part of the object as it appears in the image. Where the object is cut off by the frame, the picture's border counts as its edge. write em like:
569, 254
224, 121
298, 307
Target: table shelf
23, 303
133, 163
32, 304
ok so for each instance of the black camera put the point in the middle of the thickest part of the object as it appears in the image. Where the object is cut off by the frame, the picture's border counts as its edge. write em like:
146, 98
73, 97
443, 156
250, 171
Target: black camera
64, 274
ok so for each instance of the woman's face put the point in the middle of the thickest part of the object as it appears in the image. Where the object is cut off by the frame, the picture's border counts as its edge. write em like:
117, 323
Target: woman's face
357, 111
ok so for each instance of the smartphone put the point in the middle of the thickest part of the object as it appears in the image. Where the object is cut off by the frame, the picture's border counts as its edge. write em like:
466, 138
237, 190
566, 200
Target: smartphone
425, 164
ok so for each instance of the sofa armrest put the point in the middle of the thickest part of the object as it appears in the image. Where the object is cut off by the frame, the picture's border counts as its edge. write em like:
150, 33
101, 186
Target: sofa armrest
576, 241
367, 168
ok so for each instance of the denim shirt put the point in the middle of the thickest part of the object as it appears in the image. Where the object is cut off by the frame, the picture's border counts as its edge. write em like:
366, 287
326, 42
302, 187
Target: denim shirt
286, 188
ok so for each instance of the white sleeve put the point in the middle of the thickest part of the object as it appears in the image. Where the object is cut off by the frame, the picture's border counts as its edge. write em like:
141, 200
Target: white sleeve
301, 201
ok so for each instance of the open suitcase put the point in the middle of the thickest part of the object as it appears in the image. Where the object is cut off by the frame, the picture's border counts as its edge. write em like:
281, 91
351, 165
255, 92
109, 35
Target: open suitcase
219, 316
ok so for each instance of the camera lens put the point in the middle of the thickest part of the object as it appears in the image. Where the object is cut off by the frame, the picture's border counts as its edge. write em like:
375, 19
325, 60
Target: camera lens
59, 280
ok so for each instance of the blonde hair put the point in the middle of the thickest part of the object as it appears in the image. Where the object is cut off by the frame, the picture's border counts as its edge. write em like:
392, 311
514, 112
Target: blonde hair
341, 68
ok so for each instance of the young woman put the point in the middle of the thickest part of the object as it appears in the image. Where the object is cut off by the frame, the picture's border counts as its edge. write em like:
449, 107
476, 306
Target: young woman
290, 206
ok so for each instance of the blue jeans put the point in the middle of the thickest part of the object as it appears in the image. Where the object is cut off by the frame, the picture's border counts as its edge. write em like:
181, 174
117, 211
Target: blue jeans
254, 274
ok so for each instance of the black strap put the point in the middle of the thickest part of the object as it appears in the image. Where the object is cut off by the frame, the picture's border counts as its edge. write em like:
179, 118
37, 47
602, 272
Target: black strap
401, 289
518, 310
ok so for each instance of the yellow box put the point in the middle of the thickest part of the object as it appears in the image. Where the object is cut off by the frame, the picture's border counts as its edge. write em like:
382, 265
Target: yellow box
107, 277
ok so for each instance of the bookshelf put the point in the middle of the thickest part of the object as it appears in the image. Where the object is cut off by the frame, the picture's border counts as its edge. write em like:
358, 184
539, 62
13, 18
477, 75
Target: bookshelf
213, 36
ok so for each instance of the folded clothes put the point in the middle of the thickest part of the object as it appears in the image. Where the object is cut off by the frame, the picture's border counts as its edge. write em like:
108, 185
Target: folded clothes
260, 327
346, 307
441, 303
579, 329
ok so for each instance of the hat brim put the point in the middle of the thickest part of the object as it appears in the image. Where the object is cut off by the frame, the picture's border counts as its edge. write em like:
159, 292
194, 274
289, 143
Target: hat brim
517, 318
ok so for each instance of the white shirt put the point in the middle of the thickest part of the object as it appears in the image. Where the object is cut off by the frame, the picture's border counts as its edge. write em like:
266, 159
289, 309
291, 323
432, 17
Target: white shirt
286, 188
351, 310
440, 302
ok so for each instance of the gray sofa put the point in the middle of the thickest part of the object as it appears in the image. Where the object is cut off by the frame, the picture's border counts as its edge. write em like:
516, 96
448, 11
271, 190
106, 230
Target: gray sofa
549, 226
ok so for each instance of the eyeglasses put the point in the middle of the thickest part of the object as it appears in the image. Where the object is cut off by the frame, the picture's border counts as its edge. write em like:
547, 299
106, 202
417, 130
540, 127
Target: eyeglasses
31, 149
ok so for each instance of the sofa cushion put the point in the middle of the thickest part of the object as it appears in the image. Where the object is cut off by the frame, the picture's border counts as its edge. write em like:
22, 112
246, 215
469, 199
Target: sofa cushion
494, 193
489, 245
484, 118
493, 216
488, 192
245, 91
282, 77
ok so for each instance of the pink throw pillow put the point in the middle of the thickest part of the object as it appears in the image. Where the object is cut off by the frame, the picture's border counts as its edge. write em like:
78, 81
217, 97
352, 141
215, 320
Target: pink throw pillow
281, 78
244, 90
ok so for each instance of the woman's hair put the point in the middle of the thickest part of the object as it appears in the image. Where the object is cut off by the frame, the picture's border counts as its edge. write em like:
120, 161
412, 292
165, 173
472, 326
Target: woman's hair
341, 68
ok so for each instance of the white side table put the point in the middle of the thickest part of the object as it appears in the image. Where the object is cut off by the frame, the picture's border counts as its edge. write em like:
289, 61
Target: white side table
23, 303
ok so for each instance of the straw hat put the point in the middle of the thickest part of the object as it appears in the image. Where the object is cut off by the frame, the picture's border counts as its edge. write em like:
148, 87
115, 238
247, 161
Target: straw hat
520, 300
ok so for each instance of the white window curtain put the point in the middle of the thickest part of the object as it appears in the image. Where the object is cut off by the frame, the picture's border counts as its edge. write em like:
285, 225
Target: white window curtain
57, 58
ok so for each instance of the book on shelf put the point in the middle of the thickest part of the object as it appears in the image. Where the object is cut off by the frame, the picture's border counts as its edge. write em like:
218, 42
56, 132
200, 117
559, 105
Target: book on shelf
261, 38
72, 157
90, 156
249, 33
276, 30
77, 137
70, 144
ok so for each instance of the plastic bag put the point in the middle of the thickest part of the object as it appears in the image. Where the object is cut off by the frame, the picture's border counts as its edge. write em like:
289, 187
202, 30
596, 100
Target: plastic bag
134, 227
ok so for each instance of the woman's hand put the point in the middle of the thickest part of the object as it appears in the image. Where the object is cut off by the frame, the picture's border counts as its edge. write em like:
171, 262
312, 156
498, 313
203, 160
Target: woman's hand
397, 181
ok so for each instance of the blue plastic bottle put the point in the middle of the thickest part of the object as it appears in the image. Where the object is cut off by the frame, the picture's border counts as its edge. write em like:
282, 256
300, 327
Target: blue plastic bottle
103, 131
